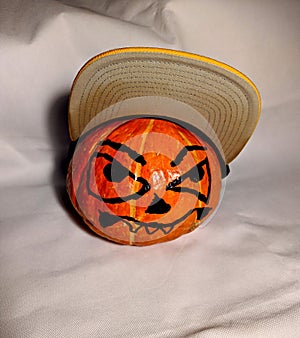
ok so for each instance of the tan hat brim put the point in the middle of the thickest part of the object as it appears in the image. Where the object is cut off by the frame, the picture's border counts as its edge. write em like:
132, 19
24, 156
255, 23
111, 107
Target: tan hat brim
226, 98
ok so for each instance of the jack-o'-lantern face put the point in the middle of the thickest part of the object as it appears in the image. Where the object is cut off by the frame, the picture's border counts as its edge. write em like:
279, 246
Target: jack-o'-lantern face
144, 181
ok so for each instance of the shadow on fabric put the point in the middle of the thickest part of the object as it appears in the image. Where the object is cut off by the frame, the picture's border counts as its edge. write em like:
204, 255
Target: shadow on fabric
63, 149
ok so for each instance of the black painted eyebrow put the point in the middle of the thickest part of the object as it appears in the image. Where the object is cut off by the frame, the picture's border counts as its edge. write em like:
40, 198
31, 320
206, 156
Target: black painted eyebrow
122, 147
201, 197
179, 158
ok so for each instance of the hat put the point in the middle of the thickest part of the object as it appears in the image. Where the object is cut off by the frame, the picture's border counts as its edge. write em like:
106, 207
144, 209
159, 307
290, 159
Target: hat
206, 89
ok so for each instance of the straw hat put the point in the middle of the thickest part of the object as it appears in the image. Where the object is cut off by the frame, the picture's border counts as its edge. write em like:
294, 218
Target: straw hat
208, 94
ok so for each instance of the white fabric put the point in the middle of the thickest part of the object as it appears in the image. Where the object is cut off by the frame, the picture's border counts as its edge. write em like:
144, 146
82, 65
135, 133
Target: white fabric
237, 277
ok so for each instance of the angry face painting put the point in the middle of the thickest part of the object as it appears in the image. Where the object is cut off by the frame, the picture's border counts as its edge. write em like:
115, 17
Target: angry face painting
144, 181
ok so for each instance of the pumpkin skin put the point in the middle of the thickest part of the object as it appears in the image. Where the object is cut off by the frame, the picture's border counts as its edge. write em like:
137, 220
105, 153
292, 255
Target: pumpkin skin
143, 181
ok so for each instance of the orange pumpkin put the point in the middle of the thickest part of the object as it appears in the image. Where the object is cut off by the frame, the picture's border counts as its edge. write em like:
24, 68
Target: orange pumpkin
143, 181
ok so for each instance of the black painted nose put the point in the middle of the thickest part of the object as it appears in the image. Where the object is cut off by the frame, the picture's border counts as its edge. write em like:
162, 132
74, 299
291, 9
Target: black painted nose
158, 206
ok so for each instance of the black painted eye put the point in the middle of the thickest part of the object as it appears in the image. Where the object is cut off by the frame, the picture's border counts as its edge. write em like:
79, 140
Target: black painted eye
196, 174
115, 172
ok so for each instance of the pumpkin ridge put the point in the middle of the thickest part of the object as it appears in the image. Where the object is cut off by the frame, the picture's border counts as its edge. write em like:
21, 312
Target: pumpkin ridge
137, 172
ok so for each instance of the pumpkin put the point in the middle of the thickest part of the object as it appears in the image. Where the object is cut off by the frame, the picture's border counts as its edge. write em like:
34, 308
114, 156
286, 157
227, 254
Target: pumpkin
143, 181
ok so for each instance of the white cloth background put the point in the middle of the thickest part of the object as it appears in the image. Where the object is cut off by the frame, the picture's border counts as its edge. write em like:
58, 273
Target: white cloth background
239, 276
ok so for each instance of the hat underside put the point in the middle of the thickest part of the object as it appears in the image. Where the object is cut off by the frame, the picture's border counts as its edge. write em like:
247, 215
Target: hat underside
228, 101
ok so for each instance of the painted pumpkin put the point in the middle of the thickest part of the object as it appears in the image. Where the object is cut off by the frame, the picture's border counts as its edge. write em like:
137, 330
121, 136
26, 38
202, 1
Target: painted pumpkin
143, 181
